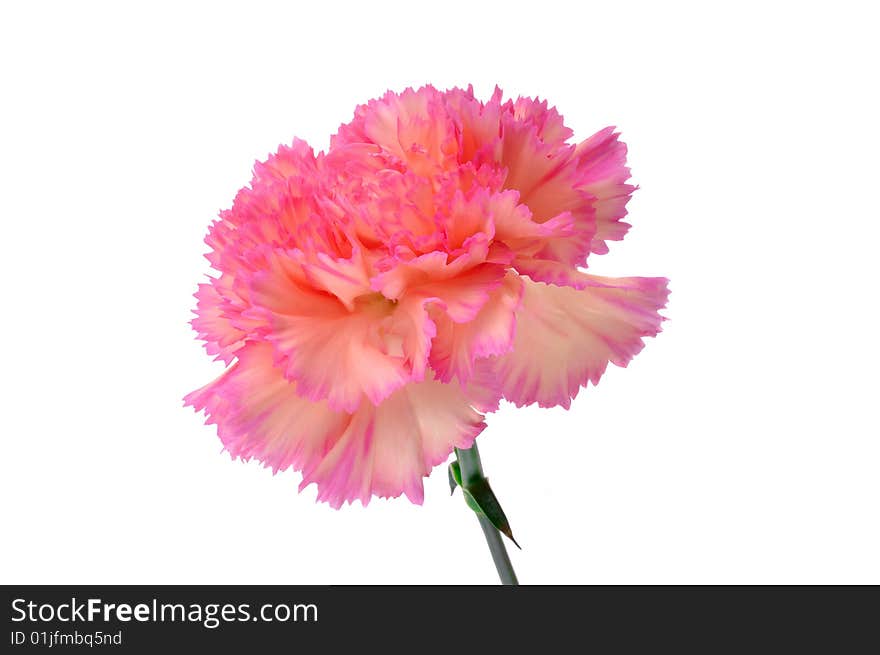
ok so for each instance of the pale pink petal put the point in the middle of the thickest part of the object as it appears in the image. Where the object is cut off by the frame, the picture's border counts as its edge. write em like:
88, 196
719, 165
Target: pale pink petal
390, 448
515, 227
213, 325
536, 169
547, 121
602, 172
457, 346
478, 125
413, 126
459, 286
409, 332
276, 210
259, 414
345, 278
546, 179
565, 337
483, 388
332, 352
463, 296
546, 252
295, 162
382, 451
551, 272
466, 216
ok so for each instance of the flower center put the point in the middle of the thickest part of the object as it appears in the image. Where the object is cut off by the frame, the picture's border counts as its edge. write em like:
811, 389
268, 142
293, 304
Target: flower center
374, 303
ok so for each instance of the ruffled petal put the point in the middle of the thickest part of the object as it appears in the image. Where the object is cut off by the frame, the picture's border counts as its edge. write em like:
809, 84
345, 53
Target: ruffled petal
391, 447
457, 346
546, 178
565, 337
276, 210
483, 389
345, 278
331, 351
546, 252
412, 126
478, 125
382, 450
213, 324
602, 172
259, 415
551, 272
547, 121
459, 286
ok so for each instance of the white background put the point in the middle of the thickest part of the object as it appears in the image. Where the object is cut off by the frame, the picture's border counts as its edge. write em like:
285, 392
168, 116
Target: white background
741, 446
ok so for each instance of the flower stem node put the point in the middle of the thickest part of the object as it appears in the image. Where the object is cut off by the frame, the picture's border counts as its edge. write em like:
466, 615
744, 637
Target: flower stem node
478, 495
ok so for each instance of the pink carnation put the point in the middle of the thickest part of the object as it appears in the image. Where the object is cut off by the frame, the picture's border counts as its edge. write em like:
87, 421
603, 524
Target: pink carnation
374, 302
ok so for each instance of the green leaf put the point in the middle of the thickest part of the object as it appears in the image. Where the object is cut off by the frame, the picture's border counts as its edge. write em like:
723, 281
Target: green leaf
479, 497
454, 471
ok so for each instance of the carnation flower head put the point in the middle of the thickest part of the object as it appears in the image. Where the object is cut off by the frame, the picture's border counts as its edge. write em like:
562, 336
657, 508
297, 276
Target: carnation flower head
374, 302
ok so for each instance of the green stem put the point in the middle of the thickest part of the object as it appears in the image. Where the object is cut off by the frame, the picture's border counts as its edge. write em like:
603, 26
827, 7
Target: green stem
472, 470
